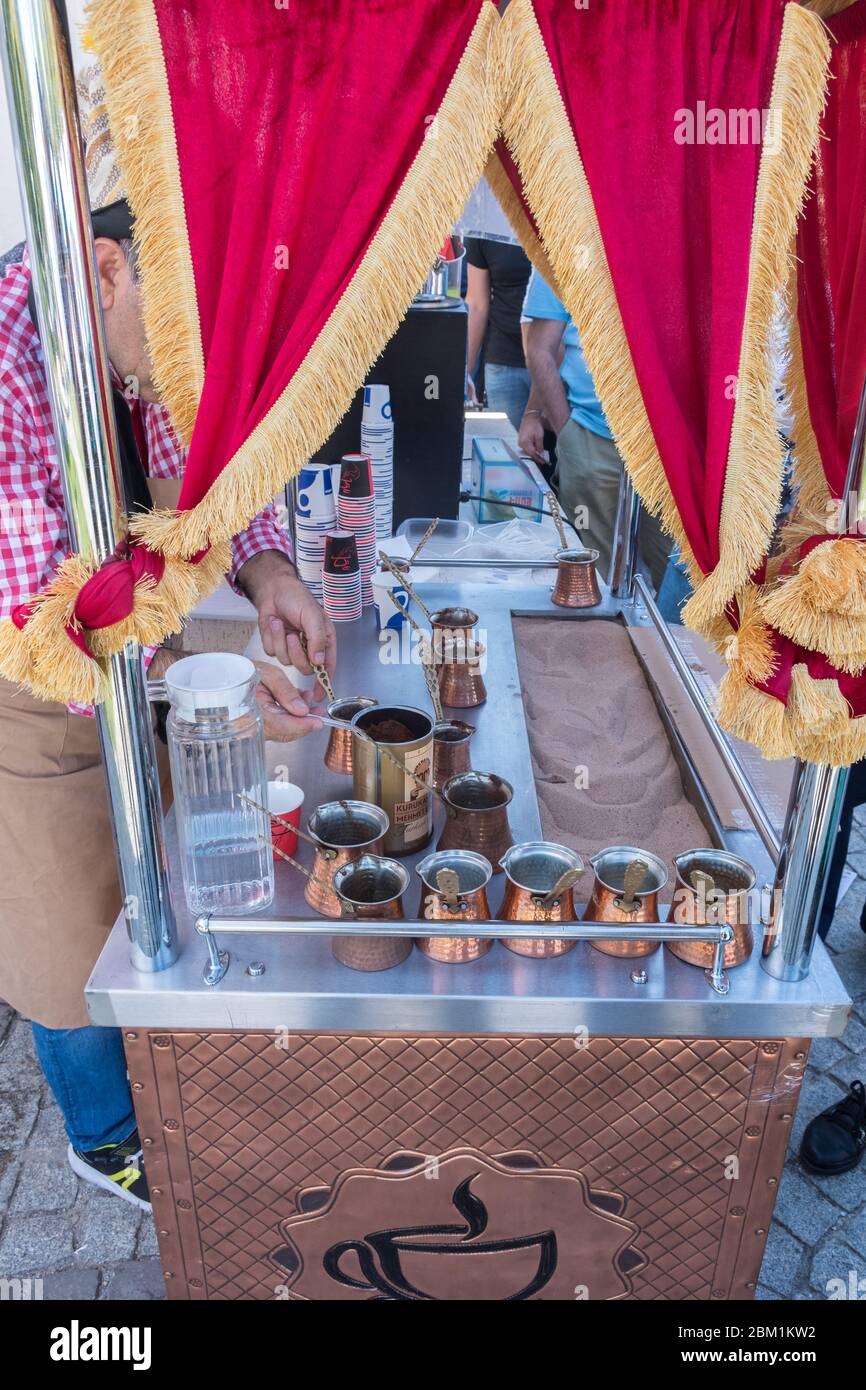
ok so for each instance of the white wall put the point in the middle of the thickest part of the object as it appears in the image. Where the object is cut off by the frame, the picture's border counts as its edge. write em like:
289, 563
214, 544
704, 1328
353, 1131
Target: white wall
11, 219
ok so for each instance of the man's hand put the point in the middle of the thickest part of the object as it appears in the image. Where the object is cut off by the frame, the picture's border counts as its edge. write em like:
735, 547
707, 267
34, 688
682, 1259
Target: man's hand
284, 710
286, 609
530, 439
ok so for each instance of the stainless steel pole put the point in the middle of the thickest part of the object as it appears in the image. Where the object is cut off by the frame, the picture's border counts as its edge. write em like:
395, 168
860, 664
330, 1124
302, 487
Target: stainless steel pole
812, 821
40, 88
623, 562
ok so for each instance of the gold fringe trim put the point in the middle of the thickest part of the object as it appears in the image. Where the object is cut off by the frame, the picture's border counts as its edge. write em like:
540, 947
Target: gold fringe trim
753, 716
521, 226
813, 492
749, 650
822, 606
43, 657
815, 725
125, 36
754, 474
540, 139
448, 164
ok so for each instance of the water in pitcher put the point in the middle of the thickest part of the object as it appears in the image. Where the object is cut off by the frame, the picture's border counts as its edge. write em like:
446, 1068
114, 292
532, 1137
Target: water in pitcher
217, 753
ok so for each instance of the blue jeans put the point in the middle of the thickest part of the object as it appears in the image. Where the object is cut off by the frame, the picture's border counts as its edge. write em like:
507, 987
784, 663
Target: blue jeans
674, 590
507, 389
86, 1070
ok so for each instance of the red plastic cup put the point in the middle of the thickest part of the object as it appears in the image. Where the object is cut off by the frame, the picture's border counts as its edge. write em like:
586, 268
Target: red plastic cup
286, 800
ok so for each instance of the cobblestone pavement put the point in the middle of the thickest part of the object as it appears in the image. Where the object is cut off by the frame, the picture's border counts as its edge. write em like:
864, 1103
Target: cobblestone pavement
85, 1244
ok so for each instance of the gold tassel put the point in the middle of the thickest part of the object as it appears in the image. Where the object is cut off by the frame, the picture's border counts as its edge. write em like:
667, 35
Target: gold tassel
751, 649
754, 716
450, 160
822, 606
839, 750
753, 479
816, 708
16, 661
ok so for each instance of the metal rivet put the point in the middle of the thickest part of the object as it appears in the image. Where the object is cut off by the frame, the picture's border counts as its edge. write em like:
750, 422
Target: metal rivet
184, 1204
147, 1143
770, 1048
799, 1056
131, 1037
639, 977
753, 1131
168, 1274
718, 1293
255, 969
156, 1191
772, 1182
738, 1211
750, 1286
195, 1283
137, 1086
162, 1233
161, 1041
761, 1231
787, 1118
171, 1124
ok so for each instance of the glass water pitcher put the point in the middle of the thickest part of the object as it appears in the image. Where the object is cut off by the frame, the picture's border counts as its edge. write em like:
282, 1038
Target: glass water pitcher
217, 752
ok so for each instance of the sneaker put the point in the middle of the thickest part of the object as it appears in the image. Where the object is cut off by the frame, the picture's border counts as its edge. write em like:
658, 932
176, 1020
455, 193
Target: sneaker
835, 1140
117, 1168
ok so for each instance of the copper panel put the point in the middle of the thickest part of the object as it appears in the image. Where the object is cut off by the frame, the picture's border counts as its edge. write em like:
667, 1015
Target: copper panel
245, 1126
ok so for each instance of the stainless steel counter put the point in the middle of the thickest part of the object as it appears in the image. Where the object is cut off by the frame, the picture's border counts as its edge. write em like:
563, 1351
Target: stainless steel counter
303, 987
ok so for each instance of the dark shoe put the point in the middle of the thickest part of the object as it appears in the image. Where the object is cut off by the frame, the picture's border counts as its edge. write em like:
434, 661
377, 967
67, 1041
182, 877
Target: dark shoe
116, 1168
836, 1139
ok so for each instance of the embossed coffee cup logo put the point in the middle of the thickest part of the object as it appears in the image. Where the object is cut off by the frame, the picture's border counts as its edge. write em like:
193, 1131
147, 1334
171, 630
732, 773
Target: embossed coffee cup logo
391, 1260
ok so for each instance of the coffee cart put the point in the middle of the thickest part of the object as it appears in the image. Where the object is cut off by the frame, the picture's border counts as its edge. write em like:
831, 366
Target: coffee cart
580, 1127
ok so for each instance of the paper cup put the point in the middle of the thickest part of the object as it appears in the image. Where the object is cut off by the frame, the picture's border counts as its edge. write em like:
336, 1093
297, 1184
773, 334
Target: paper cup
286, 800
391, 599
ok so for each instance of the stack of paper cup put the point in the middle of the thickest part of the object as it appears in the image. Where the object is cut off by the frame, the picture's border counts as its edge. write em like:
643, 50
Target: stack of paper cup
356, 513
341, 577
377, 442
315, 516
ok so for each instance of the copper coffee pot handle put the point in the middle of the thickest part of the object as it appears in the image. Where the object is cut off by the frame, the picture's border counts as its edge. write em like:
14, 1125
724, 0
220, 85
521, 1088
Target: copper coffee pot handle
423, 541
563, 884
702, 881
318, 671
410, 590
448, 884
325, 850
556, 513
345, 908
635, 874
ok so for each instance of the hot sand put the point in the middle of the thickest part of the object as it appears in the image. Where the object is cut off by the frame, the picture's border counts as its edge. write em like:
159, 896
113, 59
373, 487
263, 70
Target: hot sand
590, 715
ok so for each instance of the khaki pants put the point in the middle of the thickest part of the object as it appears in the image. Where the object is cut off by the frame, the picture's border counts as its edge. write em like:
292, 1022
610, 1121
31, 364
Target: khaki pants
59, 895
587, 477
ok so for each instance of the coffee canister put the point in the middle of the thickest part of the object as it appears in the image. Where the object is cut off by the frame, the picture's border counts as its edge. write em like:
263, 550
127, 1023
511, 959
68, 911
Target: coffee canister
403, 745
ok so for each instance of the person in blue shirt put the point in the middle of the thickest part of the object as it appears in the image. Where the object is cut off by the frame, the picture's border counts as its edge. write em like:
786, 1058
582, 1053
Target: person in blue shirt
563, 399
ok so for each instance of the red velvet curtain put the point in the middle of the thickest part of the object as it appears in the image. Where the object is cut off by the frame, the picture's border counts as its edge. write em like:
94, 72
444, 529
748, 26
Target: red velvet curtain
295, 126
675, 207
